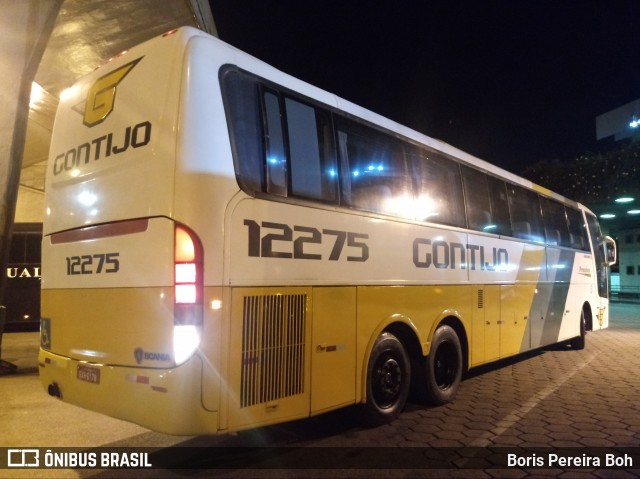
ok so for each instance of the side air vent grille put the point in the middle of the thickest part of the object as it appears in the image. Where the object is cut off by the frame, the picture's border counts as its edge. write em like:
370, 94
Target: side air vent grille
480, 298
273, 348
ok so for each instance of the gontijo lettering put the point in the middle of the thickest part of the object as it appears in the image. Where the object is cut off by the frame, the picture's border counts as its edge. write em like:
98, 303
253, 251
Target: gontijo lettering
104, 146
451, 255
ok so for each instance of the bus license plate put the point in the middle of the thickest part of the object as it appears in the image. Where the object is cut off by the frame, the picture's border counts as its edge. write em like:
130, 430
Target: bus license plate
88, 374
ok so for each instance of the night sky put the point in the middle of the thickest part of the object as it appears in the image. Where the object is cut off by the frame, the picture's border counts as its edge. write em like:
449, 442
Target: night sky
512, 82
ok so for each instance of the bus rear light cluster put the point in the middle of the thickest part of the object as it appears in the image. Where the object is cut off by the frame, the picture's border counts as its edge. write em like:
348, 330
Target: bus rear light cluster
188, 292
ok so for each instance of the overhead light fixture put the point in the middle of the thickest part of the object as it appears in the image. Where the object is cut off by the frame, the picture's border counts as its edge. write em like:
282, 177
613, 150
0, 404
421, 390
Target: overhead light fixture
624, 199
607, 216
635, 123
633, 212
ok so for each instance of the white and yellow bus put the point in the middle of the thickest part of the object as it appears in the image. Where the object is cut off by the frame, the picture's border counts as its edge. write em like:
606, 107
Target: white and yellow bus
227, 247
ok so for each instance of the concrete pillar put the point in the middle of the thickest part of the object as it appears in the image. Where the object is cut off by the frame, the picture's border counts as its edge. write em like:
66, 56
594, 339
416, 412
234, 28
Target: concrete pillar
204, 18
26, 26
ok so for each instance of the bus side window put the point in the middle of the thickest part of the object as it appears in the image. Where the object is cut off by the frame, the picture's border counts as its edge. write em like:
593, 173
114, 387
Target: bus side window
313, 161
578, 238
476, 193
374, 176
526, 219
276, 155
486, 200
555, 223
438, 188
499, 206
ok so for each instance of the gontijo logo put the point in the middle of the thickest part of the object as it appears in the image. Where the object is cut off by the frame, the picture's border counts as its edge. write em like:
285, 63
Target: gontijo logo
102, 94
98, 106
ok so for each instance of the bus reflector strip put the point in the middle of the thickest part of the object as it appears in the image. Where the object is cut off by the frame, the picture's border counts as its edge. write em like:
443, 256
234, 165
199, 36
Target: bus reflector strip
135, 378
118, 228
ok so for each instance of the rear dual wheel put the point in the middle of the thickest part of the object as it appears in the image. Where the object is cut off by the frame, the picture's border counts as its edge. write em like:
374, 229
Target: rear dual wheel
388, 380
389, 375
443, 367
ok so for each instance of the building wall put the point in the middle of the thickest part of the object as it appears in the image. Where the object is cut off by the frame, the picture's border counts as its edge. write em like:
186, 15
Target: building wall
629, 245
616, 122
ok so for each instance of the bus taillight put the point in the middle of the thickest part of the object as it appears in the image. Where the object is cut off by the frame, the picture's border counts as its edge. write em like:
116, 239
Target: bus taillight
187, 293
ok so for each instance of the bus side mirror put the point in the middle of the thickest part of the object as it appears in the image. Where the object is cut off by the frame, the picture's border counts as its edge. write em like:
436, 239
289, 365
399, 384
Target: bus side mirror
610, 250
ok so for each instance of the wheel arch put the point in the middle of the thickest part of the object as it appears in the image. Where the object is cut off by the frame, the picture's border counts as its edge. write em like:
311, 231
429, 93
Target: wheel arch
588, 316
402, 328
407, 333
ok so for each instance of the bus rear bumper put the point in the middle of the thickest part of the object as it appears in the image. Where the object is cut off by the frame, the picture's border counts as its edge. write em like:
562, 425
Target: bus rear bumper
164, 400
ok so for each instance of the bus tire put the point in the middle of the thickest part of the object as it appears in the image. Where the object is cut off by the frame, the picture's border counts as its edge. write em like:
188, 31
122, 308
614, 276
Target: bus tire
443, 367
388, 381
579, 342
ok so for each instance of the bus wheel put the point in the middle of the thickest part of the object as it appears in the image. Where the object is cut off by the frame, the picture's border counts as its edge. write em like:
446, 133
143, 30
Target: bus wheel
443, 366
388, 380
579, 342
